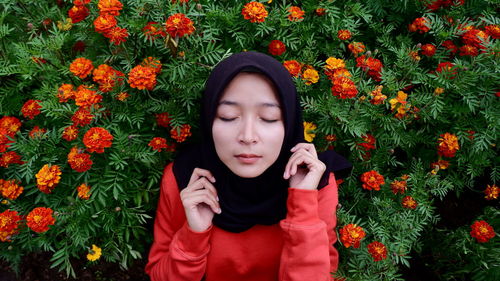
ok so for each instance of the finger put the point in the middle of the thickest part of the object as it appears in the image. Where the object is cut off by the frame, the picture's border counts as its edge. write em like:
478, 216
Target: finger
292, 159
202, 184
198, 172
309, 147
203, 197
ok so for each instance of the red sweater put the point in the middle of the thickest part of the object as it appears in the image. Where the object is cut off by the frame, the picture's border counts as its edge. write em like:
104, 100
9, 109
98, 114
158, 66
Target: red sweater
300, 247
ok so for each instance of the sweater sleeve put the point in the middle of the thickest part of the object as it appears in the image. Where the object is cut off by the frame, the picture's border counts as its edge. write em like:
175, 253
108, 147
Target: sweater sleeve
178, 253
309, 234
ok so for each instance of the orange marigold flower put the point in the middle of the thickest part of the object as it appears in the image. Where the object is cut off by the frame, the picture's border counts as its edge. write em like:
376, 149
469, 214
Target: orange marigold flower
482, 231
122, 96
82, 117
96, 139
447, 68
409, 203
344, 34
81, 67
448, 145
153, 29
104, 23
276, 48
70, 133
31, 108
295, 13
476, 38
414, 55
10, 124
334, 64
78, 13
491, 192
9, 223
85, 97
468, 50
372, 180
65, 92
110, 7
493, 30
377, 250
344, 88
254, 11
377, 96
9, 158
370, 65
398, 186
356, 48
116, 35
48, 177
141, 77
79, 162
180, 134
330, 138
10, 189
320, 11
39, 219
428, 50
440, 165
351, 235
178, 25
310, 75
83, 191
450, 46
421, 25
369, 142
152, 63
163, 119
293, 67
400, 105
438, 91
160, 143
103, 73
37, 132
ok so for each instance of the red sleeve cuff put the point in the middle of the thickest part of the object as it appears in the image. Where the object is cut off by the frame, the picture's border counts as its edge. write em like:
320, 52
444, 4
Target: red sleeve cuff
193, 244
302, 206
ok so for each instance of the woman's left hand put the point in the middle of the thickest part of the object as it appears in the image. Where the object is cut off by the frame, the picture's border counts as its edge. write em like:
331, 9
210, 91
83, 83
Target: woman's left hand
304, 169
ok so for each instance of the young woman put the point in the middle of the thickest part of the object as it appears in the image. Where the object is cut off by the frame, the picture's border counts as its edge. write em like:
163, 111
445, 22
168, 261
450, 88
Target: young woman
253, 201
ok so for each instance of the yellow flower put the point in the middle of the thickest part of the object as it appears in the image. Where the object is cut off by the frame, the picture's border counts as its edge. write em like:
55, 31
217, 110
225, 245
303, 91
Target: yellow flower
66, 25
438, 91
310, 76
308, 131
94, 254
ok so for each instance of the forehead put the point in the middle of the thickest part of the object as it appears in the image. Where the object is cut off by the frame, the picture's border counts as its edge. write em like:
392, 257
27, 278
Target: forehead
251, 87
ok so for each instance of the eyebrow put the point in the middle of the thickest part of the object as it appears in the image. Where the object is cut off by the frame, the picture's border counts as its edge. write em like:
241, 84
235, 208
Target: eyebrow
264, 104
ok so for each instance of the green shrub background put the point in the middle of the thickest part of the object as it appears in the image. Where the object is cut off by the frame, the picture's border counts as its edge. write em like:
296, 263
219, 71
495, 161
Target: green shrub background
125, 178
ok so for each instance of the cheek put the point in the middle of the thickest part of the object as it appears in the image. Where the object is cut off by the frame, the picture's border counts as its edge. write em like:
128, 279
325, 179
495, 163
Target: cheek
221, 134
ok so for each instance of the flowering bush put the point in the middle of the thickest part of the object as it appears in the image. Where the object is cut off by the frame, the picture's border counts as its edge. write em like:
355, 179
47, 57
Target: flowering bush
97, 96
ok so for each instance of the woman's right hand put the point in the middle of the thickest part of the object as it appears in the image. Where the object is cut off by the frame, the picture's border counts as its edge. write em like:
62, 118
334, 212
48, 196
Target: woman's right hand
200, 200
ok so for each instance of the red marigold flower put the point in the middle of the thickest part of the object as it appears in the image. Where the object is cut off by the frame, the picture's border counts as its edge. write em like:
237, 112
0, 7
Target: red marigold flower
104, 23
448, 68
398, 186
152, 30
11, 125
439, 165
178, 25
141, 77
351, 235
476, 38
10, 157
320, 11
448, 145
9, 223
79, 46
83, 191
295, 13
293, 67
372, 180
122, 96
65, 92
85, 97
181, 133
377, 96
78, 13
369, 142
38, 60
356, 48
468, 50
160, 143
96, 139
409, 203
482, 231
471, 134
491, 192
70, 133
310, 75
377, 250
81, 67
493, 30
428, 50
31, 108
330, 138
78, 161
110, 7
37, 132
276, 48
102, 73
163, 119
48, 177
450, 46
116, 35
421, 25
254, 11
152, 63
81, 2
344, 34
82, 117
344, 88
10, 189
370, 65
39, 219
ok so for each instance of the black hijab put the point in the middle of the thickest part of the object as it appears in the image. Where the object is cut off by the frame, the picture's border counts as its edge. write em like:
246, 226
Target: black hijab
246, 202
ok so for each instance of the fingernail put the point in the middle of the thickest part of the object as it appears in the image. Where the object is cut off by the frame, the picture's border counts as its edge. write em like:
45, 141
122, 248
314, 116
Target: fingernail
213, 179
217, 198
219, 211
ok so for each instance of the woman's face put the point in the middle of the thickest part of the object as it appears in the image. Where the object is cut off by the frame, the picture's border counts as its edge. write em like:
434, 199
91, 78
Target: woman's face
248, 128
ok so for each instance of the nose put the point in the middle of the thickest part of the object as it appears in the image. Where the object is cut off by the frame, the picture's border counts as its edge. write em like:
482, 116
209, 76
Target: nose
248, 133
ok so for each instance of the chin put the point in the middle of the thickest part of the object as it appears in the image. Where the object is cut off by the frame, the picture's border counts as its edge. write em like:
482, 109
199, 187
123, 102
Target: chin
247, 172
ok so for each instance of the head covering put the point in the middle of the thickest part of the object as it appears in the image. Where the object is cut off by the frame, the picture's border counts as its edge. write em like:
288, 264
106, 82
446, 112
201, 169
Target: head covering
249, 201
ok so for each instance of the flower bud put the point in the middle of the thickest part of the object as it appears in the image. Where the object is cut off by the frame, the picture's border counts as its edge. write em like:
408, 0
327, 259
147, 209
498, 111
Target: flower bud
10, 248
30, 25
117, 209
369, 53
199, 7
419, 45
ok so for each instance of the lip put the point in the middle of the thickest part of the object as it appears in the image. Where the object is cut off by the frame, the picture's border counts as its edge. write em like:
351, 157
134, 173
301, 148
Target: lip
248, 158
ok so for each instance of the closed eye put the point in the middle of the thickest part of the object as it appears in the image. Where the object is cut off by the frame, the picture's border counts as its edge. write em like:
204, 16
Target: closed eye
226, 119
